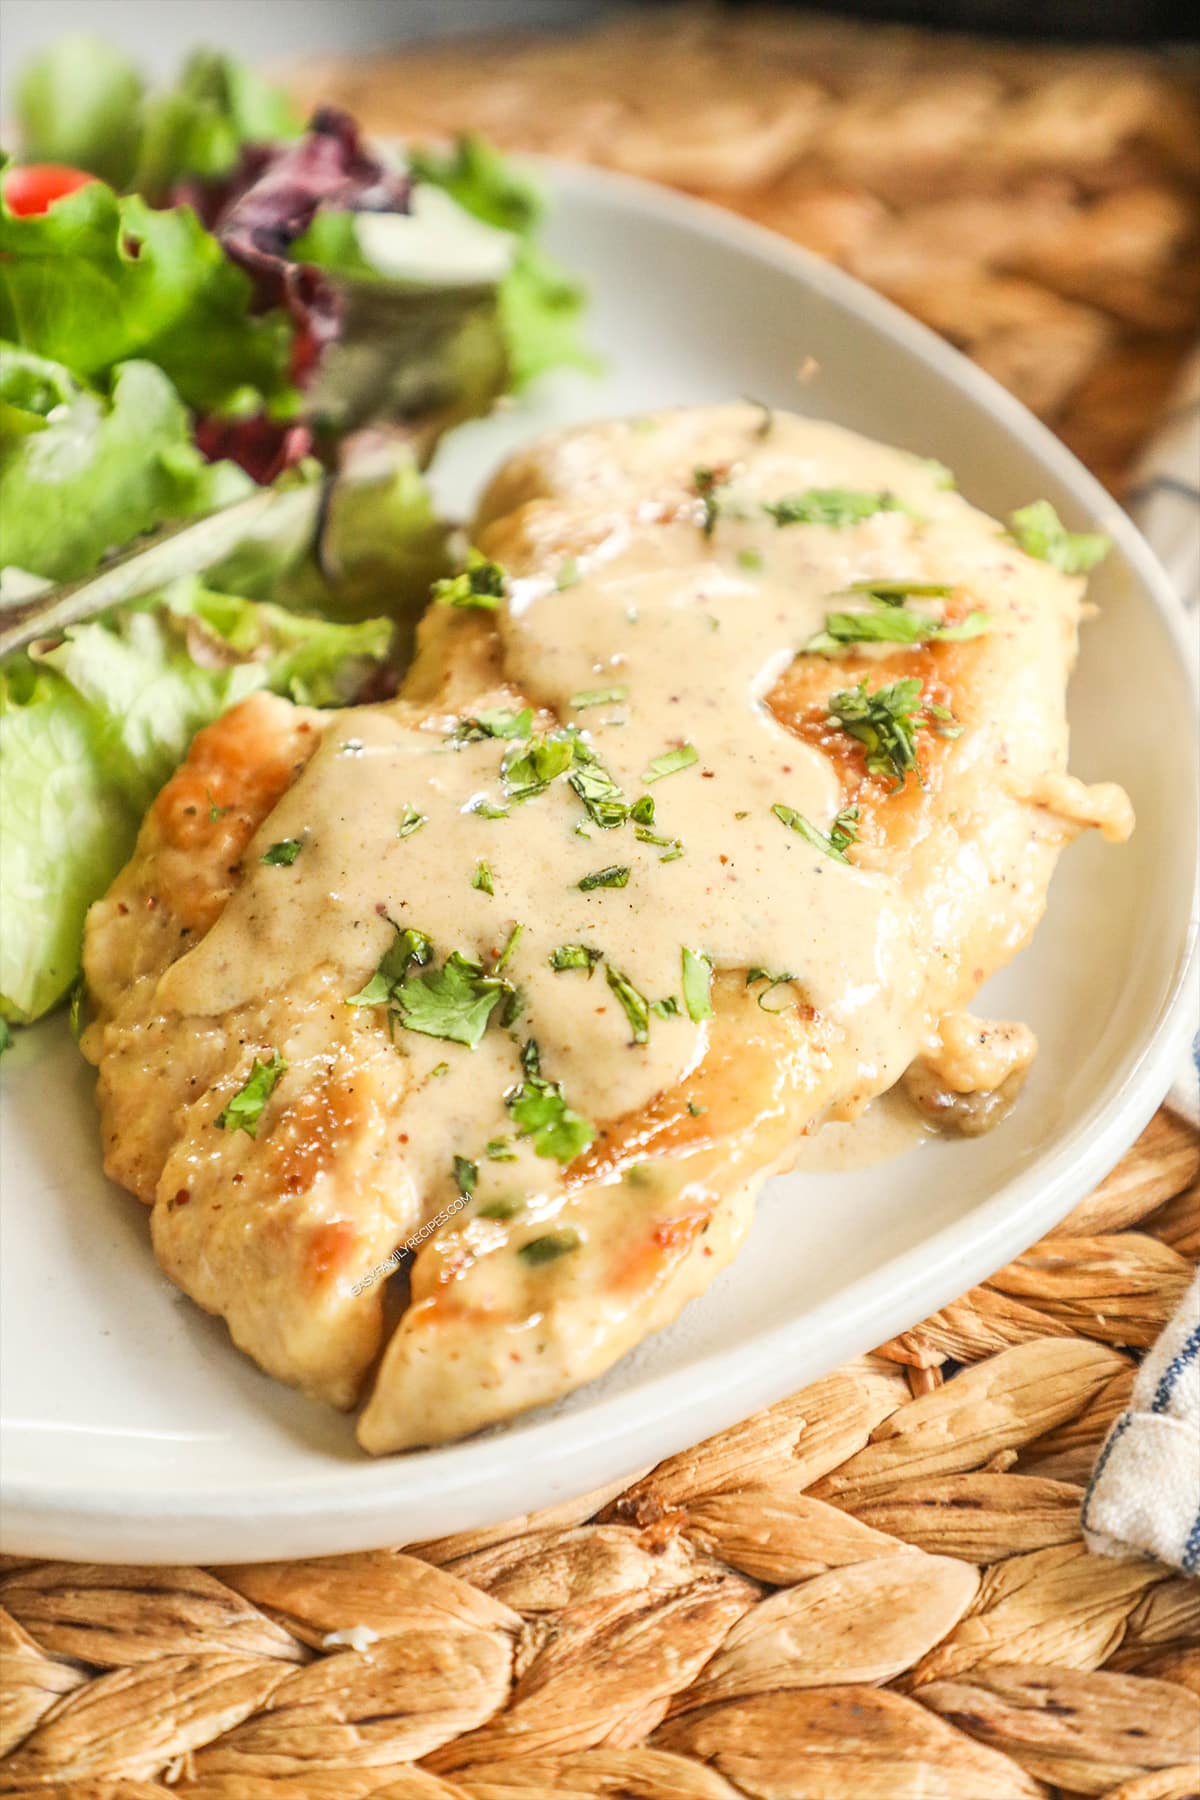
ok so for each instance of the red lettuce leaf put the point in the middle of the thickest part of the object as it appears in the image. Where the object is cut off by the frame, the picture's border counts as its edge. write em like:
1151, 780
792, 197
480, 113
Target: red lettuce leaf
270, 200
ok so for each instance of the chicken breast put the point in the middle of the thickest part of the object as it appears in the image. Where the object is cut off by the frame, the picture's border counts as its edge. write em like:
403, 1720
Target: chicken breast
723, 778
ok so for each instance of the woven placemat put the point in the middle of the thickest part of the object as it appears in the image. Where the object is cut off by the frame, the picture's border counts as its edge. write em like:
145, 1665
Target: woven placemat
877, 1589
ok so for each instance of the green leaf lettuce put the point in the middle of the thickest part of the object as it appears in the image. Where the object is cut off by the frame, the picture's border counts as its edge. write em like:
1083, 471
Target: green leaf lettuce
91, 727
200, 126
381, 544
82, 472
82, 102
541, 306
79, 102
99, 279
1041, 533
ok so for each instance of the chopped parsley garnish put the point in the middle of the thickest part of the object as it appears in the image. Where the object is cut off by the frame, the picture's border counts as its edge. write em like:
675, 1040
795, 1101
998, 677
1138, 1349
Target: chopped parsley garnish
575, 956
598, 697
615, 876
480, 584
514, 938
466, 1174
484, 808
1041, 533
407, 947
697, 1111
283, 854
844, 830
498, 1149
6, 1034
495, 723
550, 1246
215, 812
410, 820
697, 981
886, 723
671, 762
772, 982
665, 1009
642, 811
889, 627
603, 800
528, 772
895, 593
454, 1002
750, 560
637, 1007
245, 1109
568, 573
842, 833
500, 1209
942, 720
539, 1112
672, 847
831, 506
481, 880
707, 483
889, 623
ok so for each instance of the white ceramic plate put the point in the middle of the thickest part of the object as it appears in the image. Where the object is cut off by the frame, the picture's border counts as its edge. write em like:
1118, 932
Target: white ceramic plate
132, 1429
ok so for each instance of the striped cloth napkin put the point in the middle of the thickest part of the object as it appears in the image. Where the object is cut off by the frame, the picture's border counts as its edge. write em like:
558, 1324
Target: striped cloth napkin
1144, 1495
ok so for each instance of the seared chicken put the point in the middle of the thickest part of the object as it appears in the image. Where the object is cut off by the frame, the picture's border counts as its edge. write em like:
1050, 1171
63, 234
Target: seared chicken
724, 776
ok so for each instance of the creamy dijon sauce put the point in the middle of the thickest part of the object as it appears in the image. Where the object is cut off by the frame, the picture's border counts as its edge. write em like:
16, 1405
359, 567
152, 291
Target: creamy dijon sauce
694, 630
889, 1127
633, 619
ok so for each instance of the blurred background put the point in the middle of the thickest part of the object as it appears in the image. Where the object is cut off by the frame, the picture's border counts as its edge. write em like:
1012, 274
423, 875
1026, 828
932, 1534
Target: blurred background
158, 30
1023, 178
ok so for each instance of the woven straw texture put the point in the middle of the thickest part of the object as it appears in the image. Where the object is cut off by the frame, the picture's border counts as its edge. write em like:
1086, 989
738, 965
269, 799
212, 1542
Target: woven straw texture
1039, 207
877, 1589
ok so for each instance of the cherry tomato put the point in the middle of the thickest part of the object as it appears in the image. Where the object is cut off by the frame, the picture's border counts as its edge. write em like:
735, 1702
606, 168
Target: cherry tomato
35, 187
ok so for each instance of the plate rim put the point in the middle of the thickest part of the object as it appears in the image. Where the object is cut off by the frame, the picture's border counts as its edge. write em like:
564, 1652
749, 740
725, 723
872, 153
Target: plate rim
724, 1388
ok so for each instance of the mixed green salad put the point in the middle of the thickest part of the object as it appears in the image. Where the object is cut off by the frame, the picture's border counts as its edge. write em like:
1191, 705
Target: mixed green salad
230, 342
